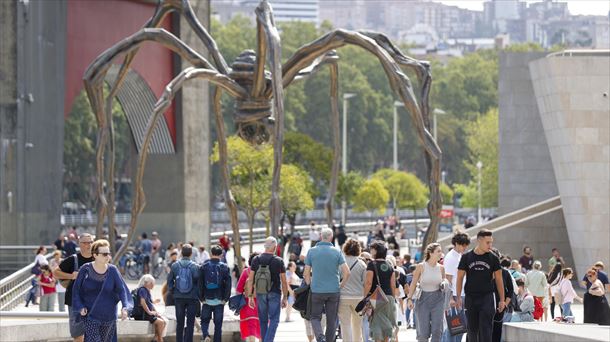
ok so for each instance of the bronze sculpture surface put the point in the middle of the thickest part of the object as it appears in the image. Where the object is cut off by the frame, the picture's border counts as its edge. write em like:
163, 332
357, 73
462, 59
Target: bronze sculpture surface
259, 109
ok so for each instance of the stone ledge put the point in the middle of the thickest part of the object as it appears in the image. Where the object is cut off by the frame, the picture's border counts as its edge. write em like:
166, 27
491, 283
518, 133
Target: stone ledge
554, 332
128, 330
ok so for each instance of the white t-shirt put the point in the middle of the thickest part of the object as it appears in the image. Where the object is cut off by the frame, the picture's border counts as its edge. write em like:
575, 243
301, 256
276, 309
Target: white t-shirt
314, 235
41, 260
451, 262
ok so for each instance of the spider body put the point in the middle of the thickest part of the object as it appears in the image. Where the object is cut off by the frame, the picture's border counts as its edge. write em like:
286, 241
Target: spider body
259, 106
252, 116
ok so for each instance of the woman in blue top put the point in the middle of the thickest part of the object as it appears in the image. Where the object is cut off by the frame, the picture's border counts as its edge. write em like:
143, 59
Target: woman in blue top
144, 309
97, 290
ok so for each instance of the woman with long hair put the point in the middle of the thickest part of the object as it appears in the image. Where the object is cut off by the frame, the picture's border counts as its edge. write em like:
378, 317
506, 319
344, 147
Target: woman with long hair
567, 292
380, 273
430, 304
249, 325
96, 292
554, 279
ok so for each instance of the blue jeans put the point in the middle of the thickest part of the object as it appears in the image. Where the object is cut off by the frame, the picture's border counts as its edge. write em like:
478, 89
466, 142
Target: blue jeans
269, 307
408, 314
185, 308
567, 309
206, 316
365, 329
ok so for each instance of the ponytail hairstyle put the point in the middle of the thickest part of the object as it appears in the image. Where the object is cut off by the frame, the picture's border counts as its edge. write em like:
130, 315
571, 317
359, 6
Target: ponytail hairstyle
430, 249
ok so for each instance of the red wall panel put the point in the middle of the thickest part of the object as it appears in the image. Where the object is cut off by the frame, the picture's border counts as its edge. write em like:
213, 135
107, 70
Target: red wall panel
94, 26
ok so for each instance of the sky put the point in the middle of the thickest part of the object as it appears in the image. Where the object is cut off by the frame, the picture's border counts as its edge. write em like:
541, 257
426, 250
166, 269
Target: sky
588, 7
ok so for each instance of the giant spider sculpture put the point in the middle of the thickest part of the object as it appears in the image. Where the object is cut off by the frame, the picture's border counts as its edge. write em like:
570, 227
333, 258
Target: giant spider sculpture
259, 108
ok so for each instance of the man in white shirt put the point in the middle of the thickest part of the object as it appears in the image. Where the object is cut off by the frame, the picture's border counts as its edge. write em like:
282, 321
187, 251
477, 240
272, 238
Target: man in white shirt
314, 235
460, 242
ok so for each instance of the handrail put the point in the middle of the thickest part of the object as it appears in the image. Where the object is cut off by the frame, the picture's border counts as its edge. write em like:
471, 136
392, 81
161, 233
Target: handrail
579, 53
259, 232
14, 287
27, 247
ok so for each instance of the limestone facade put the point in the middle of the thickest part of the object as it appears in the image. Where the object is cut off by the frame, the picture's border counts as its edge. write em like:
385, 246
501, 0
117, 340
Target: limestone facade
572, 96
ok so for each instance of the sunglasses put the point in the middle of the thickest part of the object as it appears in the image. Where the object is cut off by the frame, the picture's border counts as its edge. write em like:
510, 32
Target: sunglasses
105, 254
86, 242
590, 275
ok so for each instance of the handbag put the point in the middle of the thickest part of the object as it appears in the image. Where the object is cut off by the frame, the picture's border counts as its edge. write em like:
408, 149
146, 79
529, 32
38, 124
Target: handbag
378, 297
36, 269
456, 322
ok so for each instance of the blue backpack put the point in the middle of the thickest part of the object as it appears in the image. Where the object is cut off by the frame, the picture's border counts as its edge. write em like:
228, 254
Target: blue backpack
184, 278
212, 275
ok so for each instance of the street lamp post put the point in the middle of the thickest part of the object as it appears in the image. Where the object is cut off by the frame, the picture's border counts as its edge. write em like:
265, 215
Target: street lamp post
436, 112
479, 166
346, 96
395, 135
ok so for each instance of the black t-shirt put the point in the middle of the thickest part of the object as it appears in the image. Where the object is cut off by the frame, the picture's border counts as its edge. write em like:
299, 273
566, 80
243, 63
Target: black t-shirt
276, 267
384, 270
67, 266
479, 272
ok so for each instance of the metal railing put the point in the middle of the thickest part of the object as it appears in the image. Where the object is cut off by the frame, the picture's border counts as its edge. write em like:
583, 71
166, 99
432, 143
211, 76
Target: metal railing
260, 233
14, 288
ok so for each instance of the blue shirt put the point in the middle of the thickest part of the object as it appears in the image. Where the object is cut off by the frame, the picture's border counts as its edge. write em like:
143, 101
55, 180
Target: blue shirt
325, 261
146, 246
109, 286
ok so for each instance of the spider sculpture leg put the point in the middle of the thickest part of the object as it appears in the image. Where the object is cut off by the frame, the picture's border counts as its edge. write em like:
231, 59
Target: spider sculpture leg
422, 70
400, 84
329, 59
161, 106
271, 42
94, 79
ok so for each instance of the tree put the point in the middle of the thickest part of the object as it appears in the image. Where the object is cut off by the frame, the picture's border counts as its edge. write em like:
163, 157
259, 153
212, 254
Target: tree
417, 195
80, 148
347, 187
300, 149
446, 194
371, 196
295, 195
483, 146
250, 179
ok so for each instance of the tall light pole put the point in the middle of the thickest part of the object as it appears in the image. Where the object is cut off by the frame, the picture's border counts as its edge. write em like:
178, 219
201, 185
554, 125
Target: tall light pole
479, 167
436, 112
346, 96
395, 135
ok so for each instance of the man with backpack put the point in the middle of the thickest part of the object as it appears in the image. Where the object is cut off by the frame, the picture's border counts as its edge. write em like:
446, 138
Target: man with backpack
268, 279
183, 283
215, 292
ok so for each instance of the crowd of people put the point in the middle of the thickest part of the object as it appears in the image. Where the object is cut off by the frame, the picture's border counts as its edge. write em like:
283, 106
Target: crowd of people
341, 286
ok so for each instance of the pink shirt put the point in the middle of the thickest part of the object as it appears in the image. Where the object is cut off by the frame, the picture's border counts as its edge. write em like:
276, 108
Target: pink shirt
567, 291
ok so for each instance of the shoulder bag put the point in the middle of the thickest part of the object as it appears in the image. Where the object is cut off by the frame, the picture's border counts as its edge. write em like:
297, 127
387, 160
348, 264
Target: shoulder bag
378, 297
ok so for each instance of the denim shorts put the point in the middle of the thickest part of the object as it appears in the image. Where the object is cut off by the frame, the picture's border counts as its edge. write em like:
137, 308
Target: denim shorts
77, 323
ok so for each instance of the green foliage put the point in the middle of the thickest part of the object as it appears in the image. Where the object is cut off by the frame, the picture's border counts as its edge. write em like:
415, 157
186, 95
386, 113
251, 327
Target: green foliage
525, 47
371, 196
348, 185
80, 149
467, 193
446, 194
404, 188
300, 149
294, 190
251, 171
250, 176
483, 146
